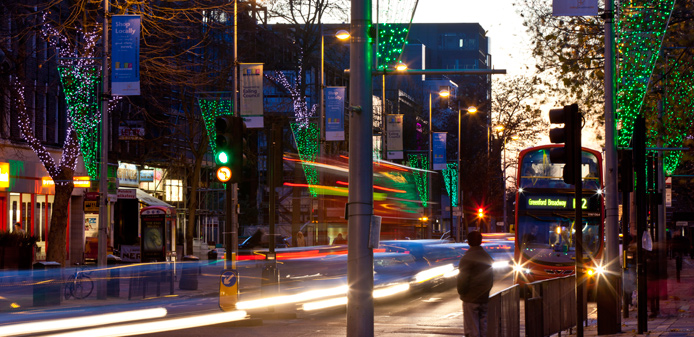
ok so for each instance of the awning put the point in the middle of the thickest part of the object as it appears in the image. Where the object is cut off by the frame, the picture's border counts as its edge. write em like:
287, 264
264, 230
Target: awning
149, 199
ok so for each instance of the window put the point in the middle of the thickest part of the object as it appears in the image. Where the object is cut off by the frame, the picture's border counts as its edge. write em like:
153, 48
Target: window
174, 190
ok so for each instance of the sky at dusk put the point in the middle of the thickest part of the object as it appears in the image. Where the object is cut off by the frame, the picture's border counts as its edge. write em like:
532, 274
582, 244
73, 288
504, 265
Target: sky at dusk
508, 39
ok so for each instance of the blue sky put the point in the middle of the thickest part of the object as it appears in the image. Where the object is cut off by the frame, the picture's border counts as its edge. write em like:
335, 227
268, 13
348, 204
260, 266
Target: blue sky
509, 42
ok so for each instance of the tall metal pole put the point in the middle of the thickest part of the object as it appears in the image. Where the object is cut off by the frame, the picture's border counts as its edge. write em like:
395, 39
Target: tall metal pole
431, 168
103, 179
458, 228
639, 144
360, 305
503, 176
232, 222
578, 228
609, 320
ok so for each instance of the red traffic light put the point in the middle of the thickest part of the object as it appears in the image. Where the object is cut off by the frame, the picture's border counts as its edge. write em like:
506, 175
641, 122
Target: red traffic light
480, 212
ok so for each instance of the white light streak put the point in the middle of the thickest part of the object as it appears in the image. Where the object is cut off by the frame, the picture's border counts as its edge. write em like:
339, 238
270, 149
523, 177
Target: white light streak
285, 299
429, 274
80, 322
159, 326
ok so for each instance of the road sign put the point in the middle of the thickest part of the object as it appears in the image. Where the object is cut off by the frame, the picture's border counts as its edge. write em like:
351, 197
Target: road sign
228, 290
681, 223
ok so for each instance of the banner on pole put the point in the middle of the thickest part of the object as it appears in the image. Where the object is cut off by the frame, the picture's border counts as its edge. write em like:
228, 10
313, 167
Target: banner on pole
394, 132
251, 89
334, 113
439, 150
125, 55
575, 7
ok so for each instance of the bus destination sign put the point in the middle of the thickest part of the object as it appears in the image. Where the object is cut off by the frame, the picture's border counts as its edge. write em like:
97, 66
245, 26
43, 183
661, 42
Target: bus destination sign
554, 202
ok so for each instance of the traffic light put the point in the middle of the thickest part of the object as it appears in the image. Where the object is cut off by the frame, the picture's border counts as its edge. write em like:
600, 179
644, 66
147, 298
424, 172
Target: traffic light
480, 213
570, 135
230, 143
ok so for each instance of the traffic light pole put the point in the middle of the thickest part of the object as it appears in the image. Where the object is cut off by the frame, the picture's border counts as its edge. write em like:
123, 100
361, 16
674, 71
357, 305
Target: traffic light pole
578, 227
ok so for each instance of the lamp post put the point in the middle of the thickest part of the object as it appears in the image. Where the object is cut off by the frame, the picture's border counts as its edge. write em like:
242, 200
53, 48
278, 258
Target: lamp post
458, 237
442, 93
341, 35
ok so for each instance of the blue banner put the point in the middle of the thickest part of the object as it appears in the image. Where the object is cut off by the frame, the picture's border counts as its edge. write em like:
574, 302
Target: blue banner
439, 150
125, 55
334, 113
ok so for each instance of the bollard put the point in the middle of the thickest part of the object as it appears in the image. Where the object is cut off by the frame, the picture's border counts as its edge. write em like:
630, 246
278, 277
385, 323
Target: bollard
189, 273
48, 283
212, 255
270, 280
113, 282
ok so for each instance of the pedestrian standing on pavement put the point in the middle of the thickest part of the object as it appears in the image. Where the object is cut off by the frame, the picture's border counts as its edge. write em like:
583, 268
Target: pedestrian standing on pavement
300, 240
18, 229
475, 280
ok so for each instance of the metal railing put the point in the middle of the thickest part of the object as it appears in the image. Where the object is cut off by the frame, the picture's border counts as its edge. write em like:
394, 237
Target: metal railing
503, 317
550, 306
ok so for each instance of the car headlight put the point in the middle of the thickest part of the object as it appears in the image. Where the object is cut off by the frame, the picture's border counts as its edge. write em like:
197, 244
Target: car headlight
500, 264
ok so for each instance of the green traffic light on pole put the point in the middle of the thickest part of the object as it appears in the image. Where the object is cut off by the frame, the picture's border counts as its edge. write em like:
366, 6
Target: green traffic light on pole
222, 158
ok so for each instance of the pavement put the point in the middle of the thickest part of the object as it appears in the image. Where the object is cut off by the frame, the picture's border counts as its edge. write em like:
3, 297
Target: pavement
676, 315
17, 297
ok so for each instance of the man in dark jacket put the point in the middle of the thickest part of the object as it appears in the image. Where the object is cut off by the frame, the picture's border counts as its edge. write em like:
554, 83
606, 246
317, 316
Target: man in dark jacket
475, 279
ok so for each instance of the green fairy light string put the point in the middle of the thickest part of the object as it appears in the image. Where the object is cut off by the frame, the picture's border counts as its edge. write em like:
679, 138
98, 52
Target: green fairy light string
450, 177
394, 18
641, 27
392, 39
421, 163
80, 84
306, 136
678, 114
211, 108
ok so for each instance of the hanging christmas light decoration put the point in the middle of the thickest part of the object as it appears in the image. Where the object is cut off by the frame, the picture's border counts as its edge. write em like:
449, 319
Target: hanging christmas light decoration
307, 145
450, 177
212, 107
421, 163
678, 108
306, 134
641, 28
393, 18
80, 77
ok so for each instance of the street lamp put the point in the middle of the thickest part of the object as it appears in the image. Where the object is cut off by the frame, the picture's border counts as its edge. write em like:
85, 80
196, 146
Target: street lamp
341, 35
470, 110
442, 93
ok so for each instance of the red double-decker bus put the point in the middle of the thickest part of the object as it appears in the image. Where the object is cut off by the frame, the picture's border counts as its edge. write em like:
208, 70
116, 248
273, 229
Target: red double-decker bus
545, 217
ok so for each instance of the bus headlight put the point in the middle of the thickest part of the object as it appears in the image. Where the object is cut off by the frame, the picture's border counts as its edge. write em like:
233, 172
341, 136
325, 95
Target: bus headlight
595, 271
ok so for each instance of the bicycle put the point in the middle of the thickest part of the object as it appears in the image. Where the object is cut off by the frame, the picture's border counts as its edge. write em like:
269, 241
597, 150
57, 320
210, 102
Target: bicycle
79, 285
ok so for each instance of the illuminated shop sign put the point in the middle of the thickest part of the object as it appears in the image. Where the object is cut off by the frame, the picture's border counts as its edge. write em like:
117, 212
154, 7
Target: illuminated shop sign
554, 202
5, 175
81, 182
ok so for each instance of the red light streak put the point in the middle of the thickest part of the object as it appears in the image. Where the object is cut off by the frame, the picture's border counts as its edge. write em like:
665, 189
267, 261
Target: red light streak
339, 182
